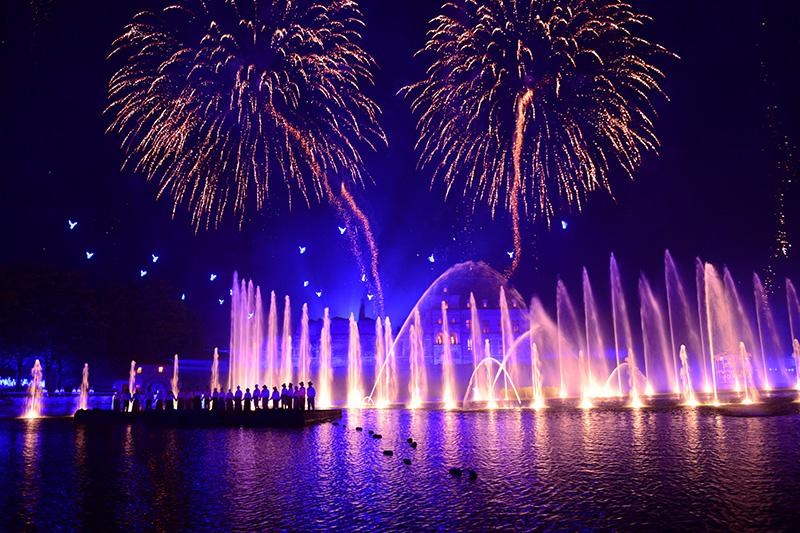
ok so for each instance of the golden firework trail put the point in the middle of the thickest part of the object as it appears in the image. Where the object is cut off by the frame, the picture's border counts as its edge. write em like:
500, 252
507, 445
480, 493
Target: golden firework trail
532, 101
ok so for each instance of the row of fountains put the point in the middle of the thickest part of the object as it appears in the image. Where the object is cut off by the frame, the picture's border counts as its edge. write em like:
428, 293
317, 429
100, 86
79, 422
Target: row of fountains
699, 343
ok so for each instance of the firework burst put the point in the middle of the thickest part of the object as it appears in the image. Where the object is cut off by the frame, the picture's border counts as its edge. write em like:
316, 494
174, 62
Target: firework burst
533, 101
217, 100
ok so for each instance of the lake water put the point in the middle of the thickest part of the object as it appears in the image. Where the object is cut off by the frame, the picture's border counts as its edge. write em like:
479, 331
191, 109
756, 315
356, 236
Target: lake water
567, 469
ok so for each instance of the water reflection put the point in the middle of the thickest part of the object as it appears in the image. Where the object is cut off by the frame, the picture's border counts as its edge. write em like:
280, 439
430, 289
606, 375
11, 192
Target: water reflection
575, 469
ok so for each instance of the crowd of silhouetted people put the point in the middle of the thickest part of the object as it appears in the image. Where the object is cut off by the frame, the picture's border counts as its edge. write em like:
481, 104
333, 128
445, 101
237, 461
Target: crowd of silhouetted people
297, 397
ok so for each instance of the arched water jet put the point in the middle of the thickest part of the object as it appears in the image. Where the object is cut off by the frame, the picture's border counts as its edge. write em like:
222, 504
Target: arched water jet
488, 361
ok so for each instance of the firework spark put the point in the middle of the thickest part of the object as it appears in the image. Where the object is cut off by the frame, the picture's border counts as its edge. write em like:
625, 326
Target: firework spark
532, 101
219, 99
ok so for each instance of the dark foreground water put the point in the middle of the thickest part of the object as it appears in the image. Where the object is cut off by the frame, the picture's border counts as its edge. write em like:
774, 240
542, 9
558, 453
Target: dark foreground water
674, 469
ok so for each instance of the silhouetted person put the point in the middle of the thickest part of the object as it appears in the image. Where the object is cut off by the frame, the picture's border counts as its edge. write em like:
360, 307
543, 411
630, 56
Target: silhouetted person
300, 398
311, 394
237, 399
256, 397
170, 406
148, 401
137, 400
115, 401
197, 400
284, 392
276, 398
295, 398
229, 400
290, 396
215, 400
264, 397
248, 400
159, 402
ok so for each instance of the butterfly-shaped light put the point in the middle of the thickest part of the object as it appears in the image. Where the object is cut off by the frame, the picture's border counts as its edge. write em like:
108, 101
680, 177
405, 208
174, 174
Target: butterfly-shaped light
72, 224
341, 230
250, 315
431, 258
564, 224
302, 249
89, 255
305, 283
142, 273
221, 301
370, 297
510, 254
155, 258
319, 294
183, 296
212, 277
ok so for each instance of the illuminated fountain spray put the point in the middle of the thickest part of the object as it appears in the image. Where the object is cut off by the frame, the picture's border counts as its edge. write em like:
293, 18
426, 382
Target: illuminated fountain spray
766, 327
215, 383
448, 369
622, 334
482, 379
174, 382
83, 399
390, 373
325, 379
536, 377
381, 395
507, 340
586, 399
660, 361
491, 401
597, 364
271, 377
33, 407
304, 355
683, 322
418, 378
687, 390
247, 333
132, 383
286, 342
796, 355
745, 371
355, 387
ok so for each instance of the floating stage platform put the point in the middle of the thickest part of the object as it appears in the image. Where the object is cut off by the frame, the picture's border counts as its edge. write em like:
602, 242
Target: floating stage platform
269, 418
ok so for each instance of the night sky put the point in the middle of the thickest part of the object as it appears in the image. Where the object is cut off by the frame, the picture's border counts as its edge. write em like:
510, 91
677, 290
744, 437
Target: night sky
710, 192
